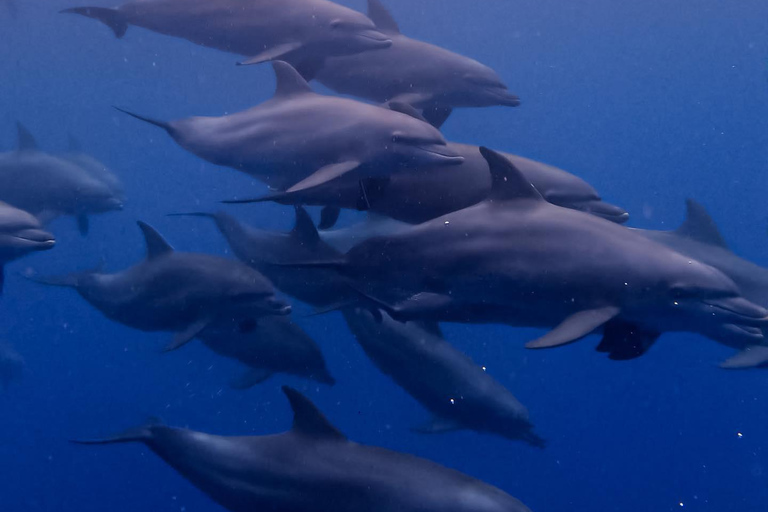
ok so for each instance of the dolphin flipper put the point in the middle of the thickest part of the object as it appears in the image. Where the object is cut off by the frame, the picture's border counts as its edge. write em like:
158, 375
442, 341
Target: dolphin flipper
575, 327
275, 53
186, 335
437, 116
623, 341
325, 174
751, 357
112, 18
250, 378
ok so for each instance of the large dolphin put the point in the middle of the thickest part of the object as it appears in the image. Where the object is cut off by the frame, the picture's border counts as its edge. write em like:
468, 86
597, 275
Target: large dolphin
410, 71
48, 186
174, 291
427, 193
299, 31
275, 345
314, 468
300, 139
458, 392
698, 237
11, 365
269, 252
519, 260
96, 169
20, 234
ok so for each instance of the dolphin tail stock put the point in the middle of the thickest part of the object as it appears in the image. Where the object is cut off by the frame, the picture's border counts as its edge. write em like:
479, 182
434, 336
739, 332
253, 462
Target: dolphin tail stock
161, 124
112, 18
142, 433
274, 197
534, 440
71, 280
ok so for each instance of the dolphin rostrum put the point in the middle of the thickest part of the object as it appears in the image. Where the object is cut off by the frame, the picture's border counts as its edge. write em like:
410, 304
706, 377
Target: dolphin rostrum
458, 392
414, 72
313, 468
175, 291
20, 234
300, 139
298, 31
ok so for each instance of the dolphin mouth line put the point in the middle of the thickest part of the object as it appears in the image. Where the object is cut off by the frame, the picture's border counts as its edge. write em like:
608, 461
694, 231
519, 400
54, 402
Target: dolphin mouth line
739, 313
378, 38
444, 154
48, 242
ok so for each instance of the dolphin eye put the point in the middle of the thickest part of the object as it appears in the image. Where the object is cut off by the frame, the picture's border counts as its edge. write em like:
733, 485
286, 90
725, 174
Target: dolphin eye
339, 24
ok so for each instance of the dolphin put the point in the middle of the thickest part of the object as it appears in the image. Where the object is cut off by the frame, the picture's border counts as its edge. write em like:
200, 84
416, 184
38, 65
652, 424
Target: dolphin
174, 291
269, 252
298, 31
11, 366
414, 72
459, 393
95, 169
274, 345
313, 468
426, 193
345, 238
698, 237
48, 186
517, 259
300, 139
20, 234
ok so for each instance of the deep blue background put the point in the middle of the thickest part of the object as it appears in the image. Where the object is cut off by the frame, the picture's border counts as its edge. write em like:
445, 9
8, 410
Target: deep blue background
651, 102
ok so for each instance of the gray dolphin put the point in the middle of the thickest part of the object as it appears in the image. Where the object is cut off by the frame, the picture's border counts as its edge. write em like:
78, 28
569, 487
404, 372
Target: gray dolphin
274, 345
300, 139
293, 30
314, 468
20, 234
421, 74
96, 169
699, 238
11, 365
459, 393
48, 186
175, 291
269, 252
426, 193
519, 260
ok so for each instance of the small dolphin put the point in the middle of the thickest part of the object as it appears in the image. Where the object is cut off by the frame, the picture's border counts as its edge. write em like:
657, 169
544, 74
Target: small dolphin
459, 393
519, 260
699, 238
11, 366
20, 234
426, 193
420, 74
269, 252
297, 31
174, 291
96, 169
47, 186
300, 139
314, 468
275, 345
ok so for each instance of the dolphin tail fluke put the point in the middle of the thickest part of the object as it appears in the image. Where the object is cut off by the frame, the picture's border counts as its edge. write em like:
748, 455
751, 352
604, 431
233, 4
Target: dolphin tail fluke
68, 280
112, 18
161, 124
755, 356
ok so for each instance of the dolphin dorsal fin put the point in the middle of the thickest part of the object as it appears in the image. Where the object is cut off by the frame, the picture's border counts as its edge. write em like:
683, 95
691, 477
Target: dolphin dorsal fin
405, 108
289, 81
308, 420
382, 18
699, 226
507, 181
304, 229
26, 140
156, 244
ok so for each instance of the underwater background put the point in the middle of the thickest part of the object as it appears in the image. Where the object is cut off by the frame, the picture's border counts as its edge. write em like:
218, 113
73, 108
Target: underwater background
651, 102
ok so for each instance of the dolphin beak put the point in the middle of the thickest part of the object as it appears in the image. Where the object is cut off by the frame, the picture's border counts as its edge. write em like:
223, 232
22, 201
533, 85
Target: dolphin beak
436, 154
739, 310
374, 39
607, 211
506, 98
34, 239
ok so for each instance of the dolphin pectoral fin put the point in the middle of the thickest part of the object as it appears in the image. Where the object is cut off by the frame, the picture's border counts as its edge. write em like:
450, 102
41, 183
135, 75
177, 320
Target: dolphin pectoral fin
250, 378
623, 341
274, 53
181, 338
325, 174
575, 327
436, 116
407, 109
751, 357
415, 99
83, 225
438, 425
112, 18
329, 215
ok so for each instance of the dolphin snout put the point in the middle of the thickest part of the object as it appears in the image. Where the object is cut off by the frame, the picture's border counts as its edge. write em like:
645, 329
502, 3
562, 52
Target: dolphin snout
506, 98
373, 39
440, 154
35, 239
607, 211
741, 310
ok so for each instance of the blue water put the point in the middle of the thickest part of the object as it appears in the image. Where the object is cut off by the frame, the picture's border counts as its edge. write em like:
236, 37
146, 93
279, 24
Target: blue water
651, 102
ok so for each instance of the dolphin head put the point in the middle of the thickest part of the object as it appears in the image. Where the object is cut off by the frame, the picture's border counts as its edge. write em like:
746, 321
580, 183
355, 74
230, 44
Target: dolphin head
479, 86
589, 204
355, 33
414, 143
97, 197
21, 232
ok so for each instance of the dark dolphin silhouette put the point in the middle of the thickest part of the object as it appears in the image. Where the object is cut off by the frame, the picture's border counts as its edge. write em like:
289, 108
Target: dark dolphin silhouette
426, 193
699, 238
269, 252
421, 74
519, 260
175, 291
458, 392
96, 169
314, 468
20, 234
300, 139
11, 366
274, 345
299, 31
48, 186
